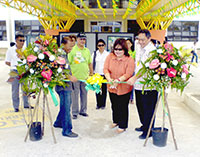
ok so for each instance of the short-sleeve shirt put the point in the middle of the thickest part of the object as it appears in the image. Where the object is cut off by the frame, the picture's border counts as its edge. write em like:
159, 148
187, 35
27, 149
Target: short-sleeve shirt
11, 56
79, 60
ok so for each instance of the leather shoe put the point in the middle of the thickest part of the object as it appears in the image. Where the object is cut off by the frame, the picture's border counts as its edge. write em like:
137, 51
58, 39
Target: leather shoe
142, 137
119, 130
71, 134
74, 117
84, 114
16, 110
57, 126
98, 108
28, 107
138, 129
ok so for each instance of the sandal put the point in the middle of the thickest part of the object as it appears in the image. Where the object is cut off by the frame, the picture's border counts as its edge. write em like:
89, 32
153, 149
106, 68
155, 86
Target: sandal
120, 130
113, 125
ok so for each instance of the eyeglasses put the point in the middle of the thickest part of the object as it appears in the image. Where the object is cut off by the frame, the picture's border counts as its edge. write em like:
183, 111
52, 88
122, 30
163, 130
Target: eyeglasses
118, 49
100, 45
21, 40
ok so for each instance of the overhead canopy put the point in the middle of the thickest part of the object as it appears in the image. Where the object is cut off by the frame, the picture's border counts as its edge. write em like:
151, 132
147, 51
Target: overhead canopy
151, 14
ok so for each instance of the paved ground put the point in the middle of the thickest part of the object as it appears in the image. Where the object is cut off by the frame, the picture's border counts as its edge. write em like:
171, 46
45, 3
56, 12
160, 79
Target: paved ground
95, 136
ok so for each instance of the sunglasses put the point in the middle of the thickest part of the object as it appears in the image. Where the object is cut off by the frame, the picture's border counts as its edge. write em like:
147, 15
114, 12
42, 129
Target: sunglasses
118, 49
82, 38
100, 45
21, 40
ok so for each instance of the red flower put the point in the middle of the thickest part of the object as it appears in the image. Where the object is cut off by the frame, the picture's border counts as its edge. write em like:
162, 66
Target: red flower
171, 72
47, 74
31, 58
46, 42
47, 53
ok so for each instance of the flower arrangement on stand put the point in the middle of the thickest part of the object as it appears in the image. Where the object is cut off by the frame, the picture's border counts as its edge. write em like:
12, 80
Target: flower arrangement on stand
42, 66
167, 67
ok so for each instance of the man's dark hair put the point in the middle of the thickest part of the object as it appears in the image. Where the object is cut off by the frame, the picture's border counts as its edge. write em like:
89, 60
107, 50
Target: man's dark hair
101, 41
19, 36
12, 44
146, 32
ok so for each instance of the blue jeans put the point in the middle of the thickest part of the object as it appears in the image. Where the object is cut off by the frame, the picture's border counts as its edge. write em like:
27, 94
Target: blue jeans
194, 55
64, 117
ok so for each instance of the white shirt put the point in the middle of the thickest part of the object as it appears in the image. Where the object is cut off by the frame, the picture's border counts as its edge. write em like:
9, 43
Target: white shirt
141, 56
11, 56
100, 59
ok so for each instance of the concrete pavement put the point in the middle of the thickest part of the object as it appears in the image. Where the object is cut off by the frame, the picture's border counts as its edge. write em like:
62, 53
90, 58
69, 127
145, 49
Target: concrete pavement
95, 136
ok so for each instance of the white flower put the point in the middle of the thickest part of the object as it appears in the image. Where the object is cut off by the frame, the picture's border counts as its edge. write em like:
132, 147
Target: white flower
160, 51
36, 49
59, 70
163, 65
24, 61
31, 71
52, 58
45, 85
41, 56
147, 64
183, 75
175, 62
60, 50
156, 77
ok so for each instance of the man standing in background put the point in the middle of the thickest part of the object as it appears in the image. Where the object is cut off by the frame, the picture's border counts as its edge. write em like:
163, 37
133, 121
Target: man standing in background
12, 58
80, 61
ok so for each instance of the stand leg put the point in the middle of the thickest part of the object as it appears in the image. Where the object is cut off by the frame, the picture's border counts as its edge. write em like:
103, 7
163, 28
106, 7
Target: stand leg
170, 122
152, 119
43, 114
51, 123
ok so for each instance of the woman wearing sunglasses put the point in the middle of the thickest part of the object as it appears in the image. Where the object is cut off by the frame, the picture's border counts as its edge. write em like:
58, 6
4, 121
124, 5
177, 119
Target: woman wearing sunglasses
119, 67
99, 58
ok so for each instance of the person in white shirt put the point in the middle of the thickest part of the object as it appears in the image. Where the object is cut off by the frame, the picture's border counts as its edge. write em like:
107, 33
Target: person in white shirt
194, 52
99, 58
12, 58
145, 102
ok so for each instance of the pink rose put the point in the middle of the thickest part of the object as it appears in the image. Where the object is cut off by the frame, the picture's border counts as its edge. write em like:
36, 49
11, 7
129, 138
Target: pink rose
154, 64
47, 74
171, 72
46, 42
47, 53
61, 60
168, 47
185, 69
31, 58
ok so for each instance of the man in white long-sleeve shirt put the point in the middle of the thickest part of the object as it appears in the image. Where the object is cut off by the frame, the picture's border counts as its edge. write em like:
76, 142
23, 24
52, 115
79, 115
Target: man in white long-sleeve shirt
145, 102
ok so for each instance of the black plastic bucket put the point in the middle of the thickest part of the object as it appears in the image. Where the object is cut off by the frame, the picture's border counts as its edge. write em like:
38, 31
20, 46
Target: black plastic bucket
35, 131
159, 138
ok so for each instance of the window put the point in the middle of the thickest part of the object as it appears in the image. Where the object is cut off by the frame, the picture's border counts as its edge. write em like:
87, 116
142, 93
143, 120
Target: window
105, 26
3, 33
183, 31
29, 27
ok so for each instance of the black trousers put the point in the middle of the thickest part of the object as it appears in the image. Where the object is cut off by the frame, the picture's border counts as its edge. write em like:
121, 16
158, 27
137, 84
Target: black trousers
101, 97
120, 109
146, 105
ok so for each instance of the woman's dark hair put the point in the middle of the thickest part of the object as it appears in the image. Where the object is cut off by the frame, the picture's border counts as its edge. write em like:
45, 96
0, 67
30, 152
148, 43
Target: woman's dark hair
101, 41
122, 43
132, 47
